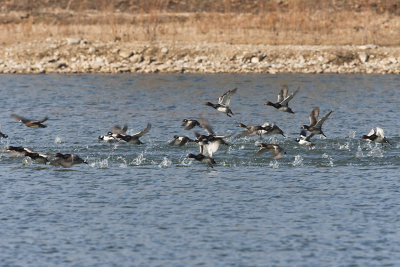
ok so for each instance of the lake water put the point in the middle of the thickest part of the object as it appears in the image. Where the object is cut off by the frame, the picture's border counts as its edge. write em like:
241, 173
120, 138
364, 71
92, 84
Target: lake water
149, 205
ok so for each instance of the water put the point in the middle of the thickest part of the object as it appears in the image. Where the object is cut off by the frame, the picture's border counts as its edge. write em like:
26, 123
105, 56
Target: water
150, 205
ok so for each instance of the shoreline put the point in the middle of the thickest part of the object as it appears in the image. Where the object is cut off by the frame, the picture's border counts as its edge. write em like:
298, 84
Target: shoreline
75, 55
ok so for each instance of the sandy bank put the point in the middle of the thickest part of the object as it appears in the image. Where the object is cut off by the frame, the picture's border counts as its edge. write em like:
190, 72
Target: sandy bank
73, 55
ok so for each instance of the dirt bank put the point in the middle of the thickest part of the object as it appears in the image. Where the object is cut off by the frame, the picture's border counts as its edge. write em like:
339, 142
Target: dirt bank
74, 55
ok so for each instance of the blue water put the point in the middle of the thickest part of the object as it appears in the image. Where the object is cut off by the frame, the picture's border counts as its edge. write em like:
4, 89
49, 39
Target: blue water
149, 205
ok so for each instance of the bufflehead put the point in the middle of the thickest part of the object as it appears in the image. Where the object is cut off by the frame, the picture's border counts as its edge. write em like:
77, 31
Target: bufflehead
180, 140
277, 151
112, 135
209, 144
315, 126
30, 123
283, 100
203, 159
223, 102
38, 157
305, 140
377, 137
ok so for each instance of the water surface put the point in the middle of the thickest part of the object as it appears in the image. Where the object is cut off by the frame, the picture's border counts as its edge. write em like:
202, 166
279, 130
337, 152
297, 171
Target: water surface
149, 205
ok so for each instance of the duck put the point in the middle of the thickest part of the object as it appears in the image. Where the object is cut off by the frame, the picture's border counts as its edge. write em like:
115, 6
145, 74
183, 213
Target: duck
209, 144
377, 137
251, 130
180, 140
283, 100
272, 129
304, 140
18, 151
190, 124
133, 139
67, 160
112, 135
38, 157
209, 161
2, 135
315, 126
224, 102
30, 123
277, 151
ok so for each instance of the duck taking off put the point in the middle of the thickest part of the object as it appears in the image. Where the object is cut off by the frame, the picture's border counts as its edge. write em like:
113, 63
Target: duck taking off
283, 100
377, 137
315, 126
224, 102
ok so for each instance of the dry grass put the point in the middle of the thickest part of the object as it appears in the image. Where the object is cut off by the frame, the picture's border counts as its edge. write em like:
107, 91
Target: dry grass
294, 23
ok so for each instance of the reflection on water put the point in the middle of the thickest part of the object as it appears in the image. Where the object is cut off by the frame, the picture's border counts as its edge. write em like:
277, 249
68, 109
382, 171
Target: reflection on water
151, 205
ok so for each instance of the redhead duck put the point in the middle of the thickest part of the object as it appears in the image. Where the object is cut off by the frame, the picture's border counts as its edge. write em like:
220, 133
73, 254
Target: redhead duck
223, 102
283, 100
30, 123
315, 126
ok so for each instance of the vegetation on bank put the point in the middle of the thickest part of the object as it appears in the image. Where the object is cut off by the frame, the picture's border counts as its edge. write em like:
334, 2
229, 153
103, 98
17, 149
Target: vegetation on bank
274, 22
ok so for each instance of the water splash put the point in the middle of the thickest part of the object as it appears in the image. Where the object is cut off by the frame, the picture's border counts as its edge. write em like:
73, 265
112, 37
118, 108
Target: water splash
186, 161
326, 156
345, 146
139, 159
274, 164
352, 134
165, 163
58, 140
298, 161
359, 153
102, 164
124, 164
27, 161
376, 152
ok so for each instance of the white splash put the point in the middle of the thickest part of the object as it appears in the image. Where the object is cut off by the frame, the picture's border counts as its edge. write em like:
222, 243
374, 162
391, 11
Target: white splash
298, 161
274, 164
139, 159
376, 152
102, 164
345, 146
352, 134
326, 156
186, 161
165, 163
124, 164
58, 140
27, 161
359, 153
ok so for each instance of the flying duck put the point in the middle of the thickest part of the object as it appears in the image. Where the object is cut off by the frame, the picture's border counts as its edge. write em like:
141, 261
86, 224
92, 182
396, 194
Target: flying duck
377, 137
223, 102
209, 144
277, 151
180, 140
283, 100
315, 126
134, 139
304, 139
30, 123
190, 124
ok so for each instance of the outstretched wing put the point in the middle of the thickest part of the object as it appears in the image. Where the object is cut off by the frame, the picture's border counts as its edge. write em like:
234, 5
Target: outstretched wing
286, 100
322, 120
282, 94
225, 99
206, 126
141, 133
117, 129
379, 132
314, 116
19, 118
372, 132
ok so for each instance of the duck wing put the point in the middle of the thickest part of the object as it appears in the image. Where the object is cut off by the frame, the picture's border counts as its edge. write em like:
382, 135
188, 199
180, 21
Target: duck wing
322, 120
116, 129
225, 99
141, 133
286, 100
372, 132
20, 118
282, 94
206, 126
379, 132
314, 116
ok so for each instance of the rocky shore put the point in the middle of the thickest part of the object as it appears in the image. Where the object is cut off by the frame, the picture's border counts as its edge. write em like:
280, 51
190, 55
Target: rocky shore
74, 55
